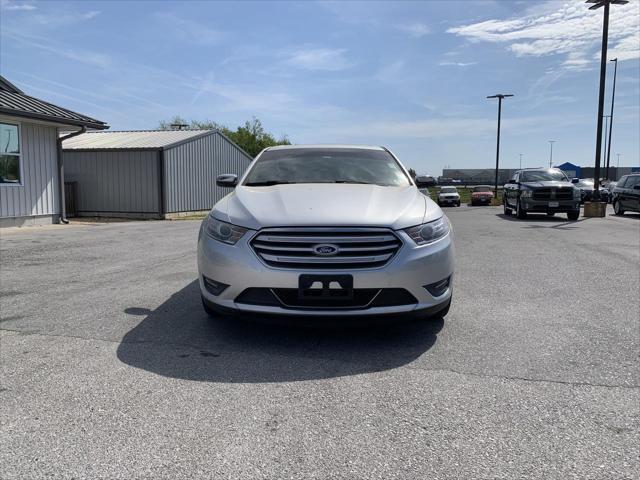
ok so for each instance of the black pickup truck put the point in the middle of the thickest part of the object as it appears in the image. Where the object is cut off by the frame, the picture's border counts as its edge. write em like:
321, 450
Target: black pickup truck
541, 190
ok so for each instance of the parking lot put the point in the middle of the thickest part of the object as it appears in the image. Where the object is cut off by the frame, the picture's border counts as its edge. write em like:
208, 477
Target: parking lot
111, 369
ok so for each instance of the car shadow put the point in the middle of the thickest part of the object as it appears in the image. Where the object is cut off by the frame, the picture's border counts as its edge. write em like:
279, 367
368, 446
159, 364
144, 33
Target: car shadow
559, 221
179, 340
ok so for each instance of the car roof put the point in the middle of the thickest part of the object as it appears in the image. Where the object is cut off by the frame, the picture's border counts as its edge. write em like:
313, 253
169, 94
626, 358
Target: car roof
320, 146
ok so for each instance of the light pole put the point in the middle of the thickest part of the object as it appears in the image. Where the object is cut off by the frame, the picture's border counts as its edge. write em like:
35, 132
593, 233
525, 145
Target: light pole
500, 97
606, 127
551, 142
603, 72
613, 99
520, 161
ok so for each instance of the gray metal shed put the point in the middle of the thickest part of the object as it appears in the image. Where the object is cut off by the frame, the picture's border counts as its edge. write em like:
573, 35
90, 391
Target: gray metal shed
149, 174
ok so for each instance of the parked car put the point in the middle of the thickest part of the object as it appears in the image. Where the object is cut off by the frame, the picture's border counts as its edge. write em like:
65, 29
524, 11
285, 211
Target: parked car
481, 195
318, 231
448, 196
609, 188
626, 194
534, 190
586, 186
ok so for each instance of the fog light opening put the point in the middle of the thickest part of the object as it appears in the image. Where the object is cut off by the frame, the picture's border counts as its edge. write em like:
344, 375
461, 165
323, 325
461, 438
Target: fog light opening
439, 288
213, 287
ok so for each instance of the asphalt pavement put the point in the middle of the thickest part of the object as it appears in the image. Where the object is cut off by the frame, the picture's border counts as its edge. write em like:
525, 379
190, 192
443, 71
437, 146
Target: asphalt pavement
111, 369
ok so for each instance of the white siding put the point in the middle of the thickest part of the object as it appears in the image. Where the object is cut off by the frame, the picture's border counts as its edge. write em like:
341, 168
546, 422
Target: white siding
38, 194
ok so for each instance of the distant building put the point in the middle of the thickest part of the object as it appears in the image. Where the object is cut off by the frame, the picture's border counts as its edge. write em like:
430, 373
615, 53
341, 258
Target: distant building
478, 176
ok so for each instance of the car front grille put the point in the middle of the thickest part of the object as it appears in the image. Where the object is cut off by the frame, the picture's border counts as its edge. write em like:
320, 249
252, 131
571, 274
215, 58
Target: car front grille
563, 193
349, 248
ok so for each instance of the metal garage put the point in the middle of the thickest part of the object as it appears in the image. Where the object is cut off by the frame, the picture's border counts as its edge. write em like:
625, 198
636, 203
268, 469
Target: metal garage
149, 174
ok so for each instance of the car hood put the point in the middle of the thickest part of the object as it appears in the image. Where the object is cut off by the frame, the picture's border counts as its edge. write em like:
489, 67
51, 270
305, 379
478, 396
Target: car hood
481, 194
547, 184
326, 205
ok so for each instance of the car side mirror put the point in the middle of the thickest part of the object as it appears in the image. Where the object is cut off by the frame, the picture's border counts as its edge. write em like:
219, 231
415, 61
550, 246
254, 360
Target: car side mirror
575, 180
227, 180
425, 181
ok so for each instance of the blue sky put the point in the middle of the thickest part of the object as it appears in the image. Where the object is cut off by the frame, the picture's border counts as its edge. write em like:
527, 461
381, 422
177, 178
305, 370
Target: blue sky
412, 76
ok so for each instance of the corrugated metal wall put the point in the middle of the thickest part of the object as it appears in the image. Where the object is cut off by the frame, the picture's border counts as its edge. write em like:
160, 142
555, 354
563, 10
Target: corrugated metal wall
191, 170
38, 194
114, 182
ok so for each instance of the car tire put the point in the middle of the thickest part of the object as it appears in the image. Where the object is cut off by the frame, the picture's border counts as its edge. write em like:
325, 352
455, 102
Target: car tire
507, 210
458, 204
550, 214
617, 209
521, 214
473, 204
573, 216
210, 311
441, 314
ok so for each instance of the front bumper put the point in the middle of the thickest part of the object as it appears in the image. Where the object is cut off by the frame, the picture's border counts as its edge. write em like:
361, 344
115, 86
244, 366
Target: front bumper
410, 269
531, 205
481, 199
447, 201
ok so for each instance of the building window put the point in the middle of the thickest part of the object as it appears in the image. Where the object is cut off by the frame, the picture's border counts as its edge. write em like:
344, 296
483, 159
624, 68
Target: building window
9, 154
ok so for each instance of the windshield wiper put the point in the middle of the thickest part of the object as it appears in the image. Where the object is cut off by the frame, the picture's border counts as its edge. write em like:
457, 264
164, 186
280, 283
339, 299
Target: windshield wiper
267, 183
353, 181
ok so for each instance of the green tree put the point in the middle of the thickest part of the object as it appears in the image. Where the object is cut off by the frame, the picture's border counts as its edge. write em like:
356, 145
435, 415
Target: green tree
413, 173
251, 136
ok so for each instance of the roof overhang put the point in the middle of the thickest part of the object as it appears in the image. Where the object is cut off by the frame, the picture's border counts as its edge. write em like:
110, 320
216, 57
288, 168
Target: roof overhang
49, 119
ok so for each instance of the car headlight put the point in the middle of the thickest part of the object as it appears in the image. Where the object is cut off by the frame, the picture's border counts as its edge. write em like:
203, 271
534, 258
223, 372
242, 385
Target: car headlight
577, 194
223, 231
527, 194
429, 232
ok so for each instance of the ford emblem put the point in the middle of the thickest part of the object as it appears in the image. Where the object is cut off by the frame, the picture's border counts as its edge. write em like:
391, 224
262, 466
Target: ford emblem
325, 249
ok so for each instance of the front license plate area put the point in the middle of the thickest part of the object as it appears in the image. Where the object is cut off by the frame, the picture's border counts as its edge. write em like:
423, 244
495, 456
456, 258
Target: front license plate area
554, 204
325, 287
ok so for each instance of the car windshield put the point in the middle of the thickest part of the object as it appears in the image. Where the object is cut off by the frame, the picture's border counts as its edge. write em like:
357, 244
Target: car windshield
586, 183
448, 190
326, 165
482, 189
543, 176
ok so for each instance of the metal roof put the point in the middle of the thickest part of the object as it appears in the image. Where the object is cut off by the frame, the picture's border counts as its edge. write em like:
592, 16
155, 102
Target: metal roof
130, 140
14, 102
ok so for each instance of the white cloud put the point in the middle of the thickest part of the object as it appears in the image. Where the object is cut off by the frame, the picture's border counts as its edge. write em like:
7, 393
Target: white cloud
568, 29
415, 30
457, 64
320, 59
88, 57
189, 30
9, 5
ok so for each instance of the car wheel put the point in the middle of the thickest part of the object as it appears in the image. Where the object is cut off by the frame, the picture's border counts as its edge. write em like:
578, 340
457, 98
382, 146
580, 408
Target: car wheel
441, 314
507, 210
617, 209
521, 214
458, 204
573, 216
210, 311
550, 214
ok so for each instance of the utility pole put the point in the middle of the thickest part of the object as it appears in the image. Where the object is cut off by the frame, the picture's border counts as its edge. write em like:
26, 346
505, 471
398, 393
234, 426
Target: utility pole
500, 97
520, 161
613, 99
551, 142
603, 72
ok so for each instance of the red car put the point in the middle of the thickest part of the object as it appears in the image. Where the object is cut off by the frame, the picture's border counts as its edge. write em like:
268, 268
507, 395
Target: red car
481, 195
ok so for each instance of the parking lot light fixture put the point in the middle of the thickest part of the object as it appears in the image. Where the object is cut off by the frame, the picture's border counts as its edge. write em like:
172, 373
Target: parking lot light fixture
500, 97
551, 142
603, 72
